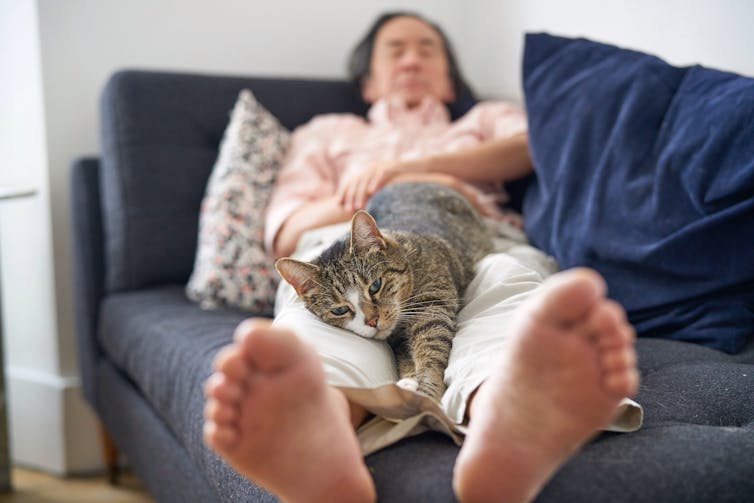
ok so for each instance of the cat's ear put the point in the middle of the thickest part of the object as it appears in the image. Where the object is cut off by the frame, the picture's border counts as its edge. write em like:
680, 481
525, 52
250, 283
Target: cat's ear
364, 232
299, 274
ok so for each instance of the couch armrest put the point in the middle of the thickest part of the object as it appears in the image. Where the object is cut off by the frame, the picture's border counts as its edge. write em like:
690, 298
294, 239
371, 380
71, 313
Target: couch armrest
88, 265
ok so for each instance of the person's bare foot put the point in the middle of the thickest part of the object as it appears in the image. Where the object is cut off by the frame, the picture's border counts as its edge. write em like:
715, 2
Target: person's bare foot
270, 414
570, 362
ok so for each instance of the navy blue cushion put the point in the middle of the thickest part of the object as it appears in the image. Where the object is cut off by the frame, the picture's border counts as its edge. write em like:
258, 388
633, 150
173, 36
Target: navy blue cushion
645, 171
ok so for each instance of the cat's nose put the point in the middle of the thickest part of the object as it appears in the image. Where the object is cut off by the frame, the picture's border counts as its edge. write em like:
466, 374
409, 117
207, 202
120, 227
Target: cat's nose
373, 322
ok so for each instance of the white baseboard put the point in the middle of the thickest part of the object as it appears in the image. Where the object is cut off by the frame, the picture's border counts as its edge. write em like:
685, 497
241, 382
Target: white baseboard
51, 427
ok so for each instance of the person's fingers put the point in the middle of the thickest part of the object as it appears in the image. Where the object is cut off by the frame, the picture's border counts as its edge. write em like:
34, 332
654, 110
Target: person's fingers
484, 206
362, 185
377, 182
354, 193
340, 194
362, 193
345, 199
476, 201
353, 188
348, 188
374, 184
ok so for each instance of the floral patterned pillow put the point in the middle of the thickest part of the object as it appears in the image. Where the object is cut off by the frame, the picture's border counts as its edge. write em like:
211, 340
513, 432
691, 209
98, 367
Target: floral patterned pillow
232, 267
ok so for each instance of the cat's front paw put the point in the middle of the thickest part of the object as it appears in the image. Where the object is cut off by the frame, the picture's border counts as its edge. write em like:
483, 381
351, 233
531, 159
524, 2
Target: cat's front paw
408, 383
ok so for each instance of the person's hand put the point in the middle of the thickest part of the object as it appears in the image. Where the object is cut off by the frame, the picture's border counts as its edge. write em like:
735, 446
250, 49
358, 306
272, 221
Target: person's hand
355, 190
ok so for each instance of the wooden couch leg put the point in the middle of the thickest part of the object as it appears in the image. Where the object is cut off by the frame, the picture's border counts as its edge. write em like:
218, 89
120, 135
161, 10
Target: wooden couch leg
110, 452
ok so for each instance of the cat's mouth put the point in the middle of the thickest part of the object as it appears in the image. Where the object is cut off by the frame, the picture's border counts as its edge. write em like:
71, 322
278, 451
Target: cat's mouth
376, 333
382, 334
379, 333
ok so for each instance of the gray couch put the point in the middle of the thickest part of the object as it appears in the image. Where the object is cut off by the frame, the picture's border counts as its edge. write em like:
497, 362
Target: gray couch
145, 350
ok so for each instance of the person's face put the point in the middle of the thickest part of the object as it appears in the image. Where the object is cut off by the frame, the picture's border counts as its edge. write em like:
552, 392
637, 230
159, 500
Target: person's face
409, 61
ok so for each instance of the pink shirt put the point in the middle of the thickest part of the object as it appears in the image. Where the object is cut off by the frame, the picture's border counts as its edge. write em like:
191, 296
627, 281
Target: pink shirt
330, 147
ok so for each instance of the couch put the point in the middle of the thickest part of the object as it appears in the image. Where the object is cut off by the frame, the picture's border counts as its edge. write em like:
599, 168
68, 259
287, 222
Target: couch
145, 350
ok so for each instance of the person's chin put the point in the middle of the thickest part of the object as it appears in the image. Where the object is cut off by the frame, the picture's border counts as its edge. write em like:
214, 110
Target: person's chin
413, 100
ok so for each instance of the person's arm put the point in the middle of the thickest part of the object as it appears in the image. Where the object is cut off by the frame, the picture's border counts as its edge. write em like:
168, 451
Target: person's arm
494, 160
308, 216
302, 198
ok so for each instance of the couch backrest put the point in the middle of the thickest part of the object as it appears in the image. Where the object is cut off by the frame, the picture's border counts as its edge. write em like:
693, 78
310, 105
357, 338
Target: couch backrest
160, 136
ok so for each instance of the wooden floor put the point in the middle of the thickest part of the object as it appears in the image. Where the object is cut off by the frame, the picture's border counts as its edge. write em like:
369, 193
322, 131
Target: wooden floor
35, 487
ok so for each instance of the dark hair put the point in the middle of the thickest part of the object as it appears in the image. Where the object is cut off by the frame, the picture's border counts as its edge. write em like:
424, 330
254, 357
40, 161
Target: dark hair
361, 56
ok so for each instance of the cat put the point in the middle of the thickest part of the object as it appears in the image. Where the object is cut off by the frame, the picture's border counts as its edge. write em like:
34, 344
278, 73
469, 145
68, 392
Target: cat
399, 275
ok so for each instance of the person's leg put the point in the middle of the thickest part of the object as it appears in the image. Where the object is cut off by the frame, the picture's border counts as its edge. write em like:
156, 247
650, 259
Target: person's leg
271, 415
502, 283
568, 362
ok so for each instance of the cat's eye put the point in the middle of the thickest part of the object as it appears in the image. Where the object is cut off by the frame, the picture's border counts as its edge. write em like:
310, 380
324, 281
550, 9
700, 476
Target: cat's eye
375, 286
340, 310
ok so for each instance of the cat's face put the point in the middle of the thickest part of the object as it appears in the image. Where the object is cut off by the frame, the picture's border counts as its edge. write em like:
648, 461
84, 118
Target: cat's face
360, 285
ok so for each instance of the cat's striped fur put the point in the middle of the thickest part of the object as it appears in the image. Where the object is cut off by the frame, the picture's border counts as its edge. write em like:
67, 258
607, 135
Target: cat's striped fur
399, 275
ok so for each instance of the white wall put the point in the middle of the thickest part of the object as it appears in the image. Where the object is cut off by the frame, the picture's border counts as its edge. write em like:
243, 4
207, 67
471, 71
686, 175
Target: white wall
32, 349
56, 55
714, 33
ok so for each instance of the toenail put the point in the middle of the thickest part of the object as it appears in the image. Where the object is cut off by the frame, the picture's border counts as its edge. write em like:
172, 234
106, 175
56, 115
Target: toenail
211, 383
250, 325
619, 360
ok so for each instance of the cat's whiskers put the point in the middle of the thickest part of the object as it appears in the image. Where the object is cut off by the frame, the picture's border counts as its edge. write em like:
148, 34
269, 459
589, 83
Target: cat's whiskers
424, 305
429, 303
427, 308
415, 317
429, 311
425, 294
426, 311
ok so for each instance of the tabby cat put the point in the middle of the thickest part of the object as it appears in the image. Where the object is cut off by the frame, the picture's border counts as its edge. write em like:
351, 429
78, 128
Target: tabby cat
402, 281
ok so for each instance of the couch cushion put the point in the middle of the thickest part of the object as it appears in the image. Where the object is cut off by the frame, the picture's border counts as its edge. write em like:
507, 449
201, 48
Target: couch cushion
165, 344
160, 137
232, 266
697, 434
645, 171
698, 431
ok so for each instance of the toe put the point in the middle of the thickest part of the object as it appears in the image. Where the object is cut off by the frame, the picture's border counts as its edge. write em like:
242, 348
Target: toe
620, 338
219, 387
567, 297
608, 323
230, 362
618, 359
622, 383
251, 325
269, 349
219, 437
220, 412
